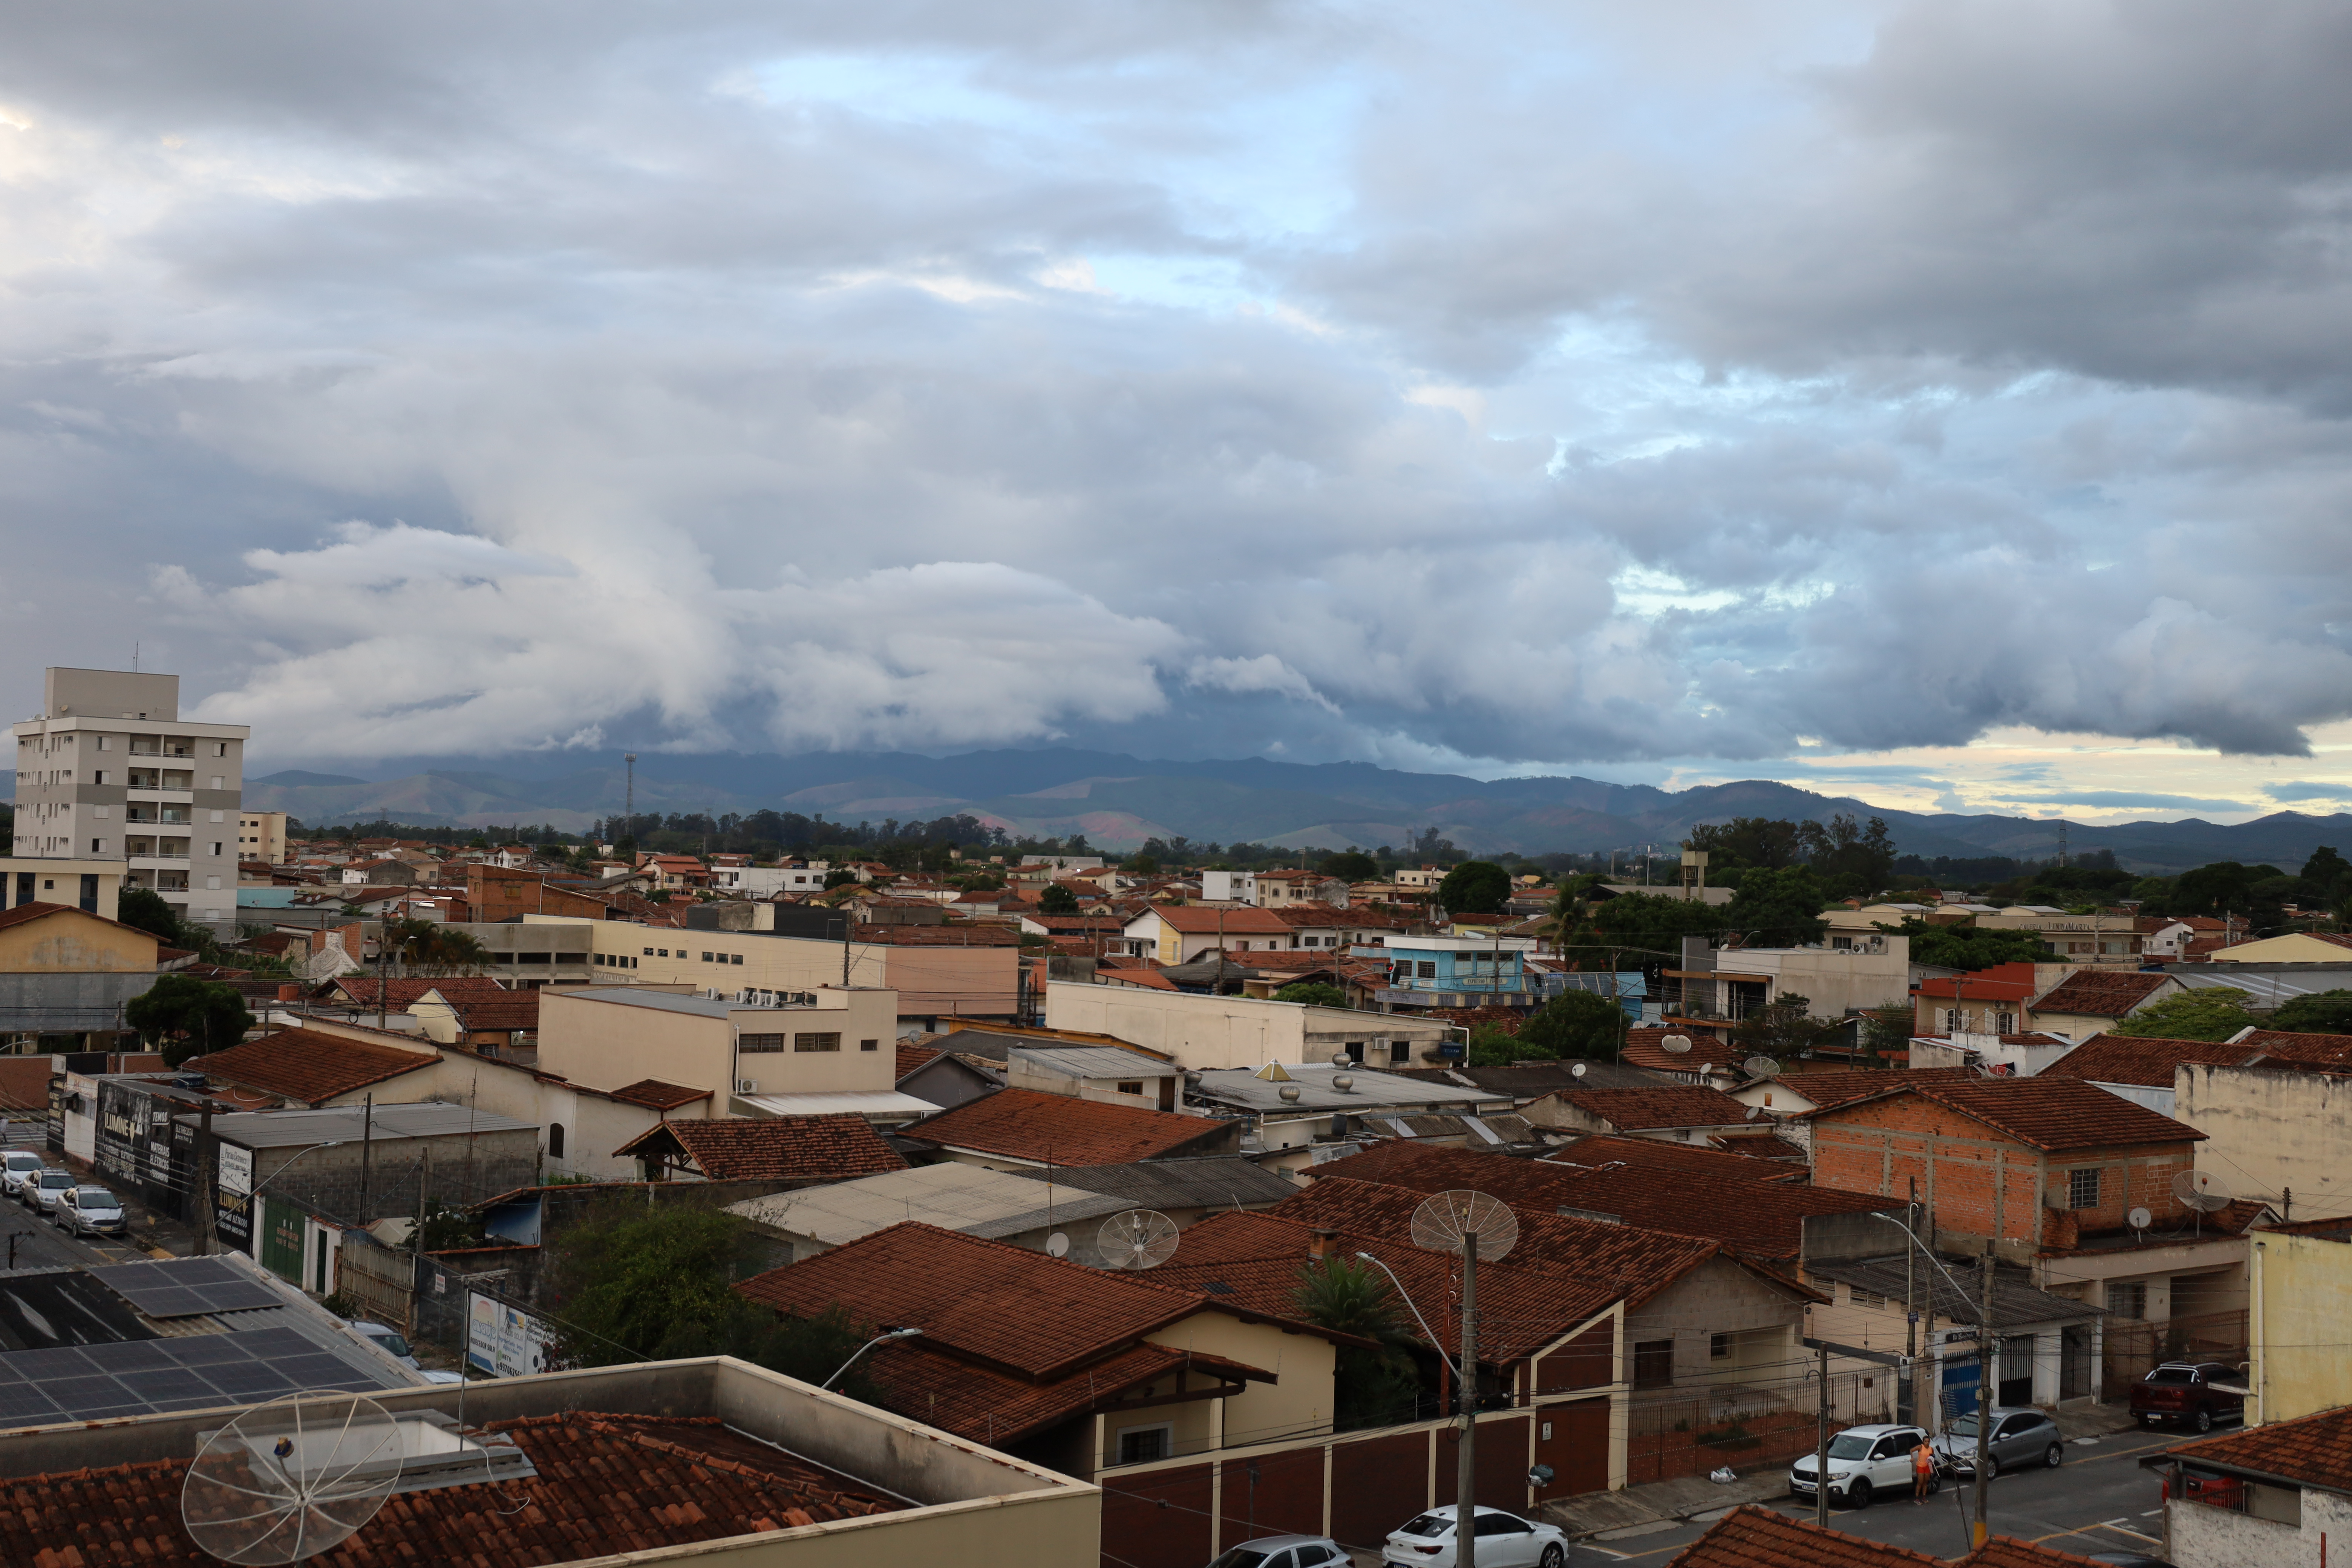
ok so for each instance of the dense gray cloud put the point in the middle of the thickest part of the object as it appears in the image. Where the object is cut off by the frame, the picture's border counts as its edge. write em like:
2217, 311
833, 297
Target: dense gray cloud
1544, 385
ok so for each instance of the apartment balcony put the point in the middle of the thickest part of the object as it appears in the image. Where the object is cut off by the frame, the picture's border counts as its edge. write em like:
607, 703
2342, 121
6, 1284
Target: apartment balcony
162, 794
162, 748
157, 816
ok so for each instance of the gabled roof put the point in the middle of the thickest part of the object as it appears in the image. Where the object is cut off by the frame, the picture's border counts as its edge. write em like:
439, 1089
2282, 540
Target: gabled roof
398, 994
1215, 1181
310, 1067
2310, 1451
2101, 992
1063, 1130
2285, 1047
2044, 1112
1999, 983
2121, 1059
996, 1408
775, 1148
1195, 921
1846, 1085
1667, 1105
655, 1095
1753, 1536
1643, 1050
509, 1010
27, 913
1018, 1310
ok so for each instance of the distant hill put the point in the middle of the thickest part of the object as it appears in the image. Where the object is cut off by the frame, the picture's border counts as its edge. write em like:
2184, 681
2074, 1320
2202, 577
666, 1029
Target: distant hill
1118, 801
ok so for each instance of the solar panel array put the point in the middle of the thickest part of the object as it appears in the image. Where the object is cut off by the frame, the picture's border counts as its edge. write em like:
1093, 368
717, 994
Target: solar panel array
144, 1377
186, 1287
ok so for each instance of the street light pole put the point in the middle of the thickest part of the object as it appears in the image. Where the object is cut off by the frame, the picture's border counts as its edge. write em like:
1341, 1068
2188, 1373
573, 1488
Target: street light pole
844, 1366
1465, 1391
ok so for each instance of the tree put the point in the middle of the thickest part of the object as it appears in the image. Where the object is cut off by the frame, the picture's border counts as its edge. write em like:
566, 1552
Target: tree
1057, 900
1746, 841
1966, 947
428, 947
839, 877
1141, 864
1645, 926
146, 908
1780, 909
1580, 1025
1888, 1030
1781, 1028
658, 1283
1849, 857
1350, 866
1372, 1387
188, 1016
1313, 992
2207, 1012
2319, 1013
1475, 887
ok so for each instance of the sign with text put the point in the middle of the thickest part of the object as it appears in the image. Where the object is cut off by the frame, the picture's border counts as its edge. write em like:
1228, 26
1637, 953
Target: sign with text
505, 1340
235, 1166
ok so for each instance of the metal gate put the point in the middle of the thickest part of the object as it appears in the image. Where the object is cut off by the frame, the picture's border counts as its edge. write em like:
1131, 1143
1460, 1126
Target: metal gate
381, 1280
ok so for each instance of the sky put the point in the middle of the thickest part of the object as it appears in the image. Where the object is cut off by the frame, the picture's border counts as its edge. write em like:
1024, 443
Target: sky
1945, 405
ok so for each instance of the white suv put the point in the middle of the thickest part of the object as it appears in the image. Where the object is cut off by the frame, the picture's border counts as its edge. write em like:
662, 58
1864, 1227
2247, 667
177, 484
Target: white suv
1863, 1461
15, 1165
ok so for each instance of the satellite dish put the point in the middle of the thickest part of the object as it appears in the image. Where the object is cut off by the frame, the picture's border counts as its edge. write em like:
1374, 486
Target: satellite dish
1057, 1245
1761, 1067
1675, 1045
1576, 1071
2139, 1219
1140, 1239
2201, 1190
1444, 1218
290, 1478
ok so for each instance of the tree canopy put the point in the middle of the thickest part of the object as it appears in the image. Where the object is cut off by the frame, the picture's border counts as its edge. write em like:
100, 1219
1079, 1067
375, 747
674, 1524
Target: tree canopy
1057, 900
1780, 909
2319, 1013
1575, 1024
1350, 865
1475, 887
188, 1016
1313, 992
1372, 1387
2207, 1012
1643, 929
146, 908
1968, 947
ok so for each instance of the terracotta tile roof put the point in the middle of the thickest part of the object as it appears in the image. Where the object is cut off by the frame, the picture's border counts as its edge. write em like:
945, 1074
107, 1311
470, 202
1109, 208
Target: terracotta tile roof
398, 994
1063, 1130
310, 1066
1846, 1085
1753, 1207
1753, 1536
2313, 1451
2285, 1047
1642, 1050
509, 1010
1195, 921
2101, 992
2044, 1112
606, 1484
1006, 1307
1298, 916
1757, 1145
910, 1057
25, 913
655, 1095
2120, 1058
996, 1408
1667, 1105
778, 1148
1251, 1263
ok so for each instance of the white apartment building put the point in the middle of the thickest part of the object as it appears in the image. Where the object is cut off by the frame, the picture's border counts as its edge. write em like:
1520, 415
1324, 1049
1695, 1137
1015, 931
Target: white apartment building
109, 771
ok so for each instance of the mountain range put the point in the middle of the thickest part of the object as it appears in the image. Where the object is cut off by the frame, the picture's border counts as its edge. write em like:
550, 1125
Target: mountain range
1118, 801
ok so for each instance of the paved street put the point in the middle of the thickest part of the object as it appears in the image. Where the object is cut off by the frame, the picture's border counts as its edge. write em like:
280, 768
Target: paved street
2098, 1500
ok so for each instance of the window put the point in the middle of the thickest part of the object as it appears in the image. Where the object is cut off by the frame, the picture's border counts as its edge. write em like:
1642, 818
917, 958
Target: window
752, 1045
1142, 1445
1861, 1298
2127, 1299
1130, 1088
2004, 1023
869, 1044
216, 846
555, 1140
98, 846
735, 958
2082, 1189
706, 958
681, 953
649, 952
1429, 969
1718, 1347
1400, 1051
831, 1042
1654, 1363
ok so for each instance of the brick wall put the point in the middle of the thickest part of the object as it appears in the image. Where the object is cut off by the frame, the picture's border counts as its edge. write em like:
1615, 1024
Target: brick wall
1980, 1183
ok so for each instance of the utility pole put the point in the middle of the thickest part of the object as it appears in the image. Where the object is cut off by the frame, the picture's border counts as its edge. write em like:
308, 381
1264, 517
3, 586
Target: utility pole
1911, 1304
207, 1188
1985, 1346
367, 1135
1821, 1444
1465, 1392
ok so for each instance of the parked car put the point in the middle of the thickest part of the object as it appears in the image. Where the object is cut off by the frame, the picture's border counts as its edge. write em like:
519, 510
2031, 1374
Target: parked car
2021, 1435
385, 1339
2192, 1392
88, 1211
1864, 1461
1505, 1541
43, 1187
1282, 1551
15, 1165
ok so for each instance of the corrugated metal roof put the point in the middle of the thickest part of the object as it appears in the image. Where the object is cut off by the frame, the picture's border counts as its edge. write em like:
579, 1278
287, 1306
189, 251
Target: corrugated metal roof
1093, 1061
963, 1198
1370, 1092
883, 1102
1217, 1181
283, 1129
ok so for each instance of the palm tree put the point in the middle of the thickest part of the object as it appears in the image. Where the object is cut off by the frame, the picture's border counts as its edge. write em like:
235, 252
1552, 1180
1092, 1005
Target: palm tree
1372, 1387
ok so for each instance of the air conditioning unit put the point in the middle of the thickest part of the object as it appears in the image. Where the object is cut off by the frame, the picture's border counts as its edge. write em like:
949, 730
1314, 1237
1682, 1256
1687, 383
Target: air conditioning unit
747, 1086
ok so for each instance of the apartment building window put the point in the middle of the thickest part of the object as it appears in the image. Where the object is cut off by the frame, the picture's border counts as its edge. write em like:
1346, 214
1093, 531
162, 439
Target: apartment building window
98, 846
2082, 1189
534, 958
1654, 1363
2004, 1023
869, 1044
829, 1042
757, 1044
2127, 1299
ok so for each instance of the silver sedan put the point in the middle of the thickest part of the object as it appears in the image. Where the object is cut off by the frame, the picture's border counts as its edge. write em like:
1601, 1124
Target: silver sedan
2019, 1437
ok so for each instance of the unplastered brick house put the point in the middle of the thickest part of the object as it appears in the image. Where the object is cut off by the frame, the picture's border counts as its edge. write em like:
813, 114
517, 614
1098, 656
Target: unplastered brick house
2026, 1163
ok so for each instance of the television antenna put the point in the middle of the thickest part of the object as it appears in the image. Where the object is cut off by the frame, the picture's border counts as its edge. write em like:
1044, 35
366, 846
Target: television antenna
290, 1478
1138, 1239
2203, 1191
1761, 1067
1676, 1045
1472, 1224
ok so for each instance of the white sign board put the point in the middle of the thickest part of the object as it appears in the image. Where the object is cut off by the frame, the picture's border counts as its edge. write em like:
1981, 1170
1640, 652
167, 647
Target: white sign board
235, 1169
504, 1341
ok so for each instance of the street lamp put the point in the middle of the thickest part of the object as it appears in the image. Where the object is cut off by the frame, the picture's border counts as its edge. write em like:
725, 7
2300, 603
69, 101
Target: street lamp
1435, 1344
844, 1366
1984, 1348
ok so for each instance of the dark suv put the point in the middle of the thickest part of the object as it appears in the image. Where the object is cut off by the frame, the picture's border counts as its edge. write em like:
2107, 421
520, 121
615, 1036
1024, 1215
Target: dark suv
2192, 1392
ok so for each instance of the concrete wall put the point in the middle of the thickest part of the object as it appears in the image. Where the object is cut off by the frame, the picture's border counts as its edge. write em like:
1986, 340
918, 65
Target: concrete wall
2302, 1297
2199, 1535
74, 943
1206, 1033
1762, 1326
458, 1169
2270, 1133
1299, 1402
931, 981
1832, 980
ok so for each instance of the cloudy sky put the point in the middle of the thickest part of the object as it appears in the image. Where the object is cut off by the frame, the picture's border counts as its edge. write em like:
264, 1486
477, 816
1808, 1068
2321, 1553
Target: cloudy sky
1944, 403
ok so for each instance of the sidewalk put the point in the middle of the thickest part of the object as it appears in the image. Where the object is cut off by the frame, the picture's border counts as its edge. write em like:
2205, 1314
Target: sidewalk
1657, 1505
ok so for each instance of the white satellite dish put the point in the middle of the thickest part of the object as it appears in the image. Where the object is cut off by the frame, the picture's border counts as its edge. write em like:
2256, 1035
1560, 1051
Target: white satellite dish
2139, 1219
1138, 1239
1444, 1220
2201, 1190
1761, 1067
1057, 1245
1576, 1069
291, 1478
1675, 1045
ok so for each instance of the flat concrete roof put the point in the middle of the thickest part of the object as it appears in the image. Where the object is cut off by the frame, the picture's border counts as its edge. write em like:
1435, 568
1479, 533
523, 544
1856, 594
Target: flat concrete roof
343, 1124
966, 1198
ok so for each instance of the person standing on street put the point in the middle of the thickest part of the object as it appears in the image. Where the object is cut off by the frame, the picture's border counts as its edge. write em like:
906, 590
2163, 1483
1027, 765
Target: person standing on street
1923, 1470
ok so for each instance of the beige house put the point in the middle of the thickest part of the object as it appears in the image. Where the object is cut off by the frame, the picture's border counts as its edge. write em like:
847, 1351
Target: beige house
47, 939
932, 981
1202, 1032
85, 883
261, 837
2295, 947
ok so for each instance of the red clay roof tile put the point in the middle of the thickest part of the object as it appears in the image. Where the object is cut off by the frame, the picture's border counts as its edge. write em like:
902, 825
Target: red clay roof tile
2101, 992
2315, 1451
310, 1067
655, 1095
1668, 1105
778, 1148
997, 1409
1759, 1537
2122, 1058
2044, 1112
1063, 1130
